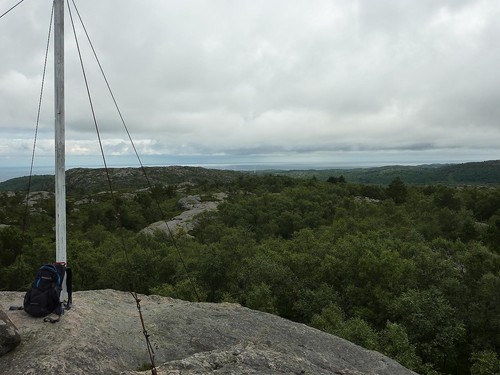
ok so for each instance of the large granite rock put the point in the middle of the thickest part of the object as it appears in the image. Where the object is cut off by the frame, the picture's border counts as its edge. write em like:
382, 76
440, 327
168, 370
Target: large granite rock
9, 336
192, 206
102, 334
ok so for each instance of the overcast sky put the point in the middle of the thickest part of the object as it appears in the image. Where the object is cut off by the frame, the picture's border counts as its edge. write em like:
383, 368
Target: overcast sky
332, 82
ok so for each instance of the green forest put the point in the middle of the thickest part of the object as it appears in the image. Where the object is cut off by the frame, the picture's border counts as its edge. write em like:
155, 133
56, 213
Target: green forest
411, 271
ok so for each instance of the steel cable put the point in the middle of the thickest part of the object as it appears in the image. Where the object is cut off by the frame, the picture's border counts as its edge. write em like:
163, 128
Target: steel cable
5, 13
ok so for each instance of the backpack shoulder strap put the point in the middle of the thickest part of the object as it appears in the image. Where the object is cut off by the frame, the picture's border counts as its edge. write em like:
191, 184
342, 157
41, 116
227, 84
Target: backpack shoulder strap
69, 287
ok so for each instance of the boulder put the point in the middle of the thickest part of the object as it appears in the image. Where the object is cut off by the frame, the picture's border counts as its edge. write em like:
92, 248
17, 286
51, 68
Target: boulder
102, 334
9, 336
189, 202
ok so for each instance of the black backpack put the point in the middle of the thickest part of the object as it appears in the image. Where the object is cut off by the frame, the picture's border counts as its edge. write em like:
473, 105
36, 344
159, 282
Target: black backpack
43, 298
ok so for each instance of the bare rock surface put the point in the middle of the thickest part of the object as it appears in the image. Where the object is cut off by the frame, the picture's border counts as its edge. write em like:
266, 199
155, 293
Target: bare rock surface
192, 206
102, 334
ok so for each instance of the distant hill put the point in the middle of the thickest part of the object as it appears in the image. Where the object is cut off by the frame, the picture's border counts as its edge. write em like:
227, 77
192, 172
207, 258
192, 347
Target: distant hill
38, 183
90, 180
476, 173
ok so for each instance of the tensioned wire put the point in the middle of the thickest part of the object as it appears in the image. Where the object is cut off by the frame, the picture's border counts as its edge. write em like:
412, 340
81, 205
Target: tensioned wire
134, 294
132, 291
5, 13
30, 178
38, 112
160, 210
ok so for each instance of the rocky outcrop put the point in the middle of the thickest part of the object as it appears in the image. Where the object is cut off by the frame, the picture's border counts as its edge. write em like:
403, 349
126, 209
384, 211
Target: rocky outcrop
102, 334
192, 205
93, 180
9, 336
36, 196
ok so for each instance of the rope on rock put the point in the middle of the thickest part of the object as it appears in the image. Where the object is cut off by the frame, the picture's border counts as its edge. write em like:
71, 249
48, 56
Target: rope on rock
145, 333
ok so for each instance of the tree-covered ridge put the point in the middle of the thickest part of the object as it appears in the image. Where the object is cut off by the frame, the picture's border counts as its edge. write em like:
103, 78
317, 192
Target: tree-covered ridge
413, 272
476, 173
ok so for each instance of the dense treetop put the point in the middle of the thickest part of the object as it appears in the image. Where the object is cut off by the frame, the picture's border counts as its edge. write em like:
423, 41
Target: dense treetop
411, 271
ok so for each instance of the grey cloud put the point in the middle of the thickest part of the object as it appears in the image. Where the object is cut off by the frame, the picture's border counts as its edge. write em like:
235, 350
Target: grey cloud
237, 77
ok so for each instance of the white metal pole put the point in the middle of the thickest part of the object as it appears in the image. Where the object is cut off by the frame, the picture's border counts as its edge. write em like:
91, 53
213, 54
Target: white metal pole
60, 186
